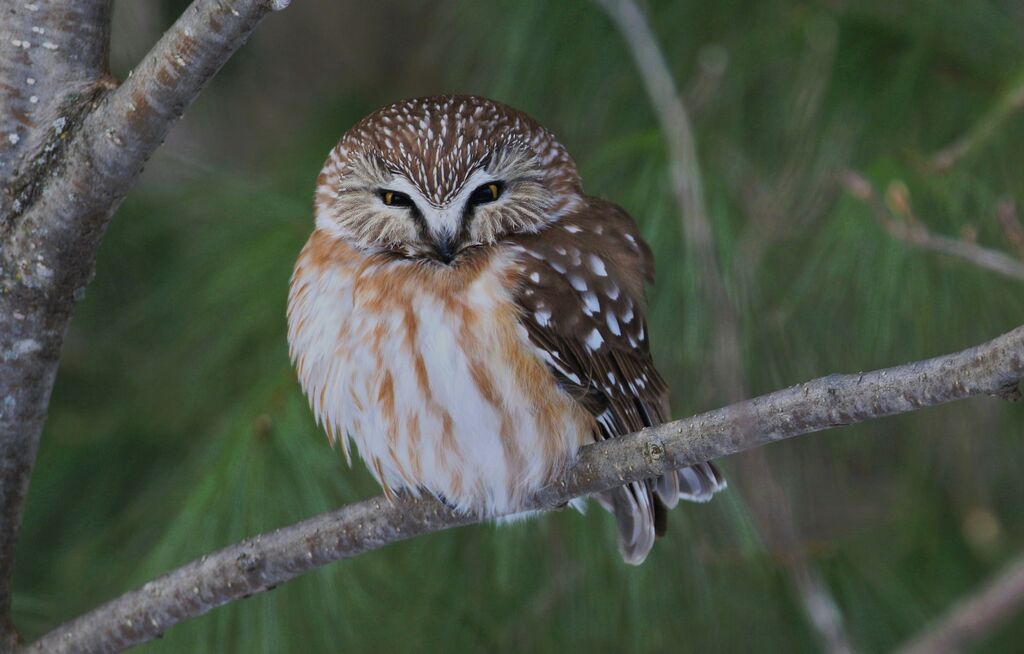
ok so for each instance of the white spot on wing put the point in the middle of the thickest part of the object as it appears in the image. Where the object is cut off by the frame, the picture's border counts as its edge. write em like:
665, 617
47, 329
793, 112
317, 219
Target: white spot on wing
613, 324
578, 283
594, 340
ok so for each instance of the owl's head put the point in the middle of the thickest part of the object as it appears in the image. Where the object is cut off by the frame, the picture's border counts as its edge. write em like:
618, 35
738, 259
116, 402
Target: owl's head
431, 178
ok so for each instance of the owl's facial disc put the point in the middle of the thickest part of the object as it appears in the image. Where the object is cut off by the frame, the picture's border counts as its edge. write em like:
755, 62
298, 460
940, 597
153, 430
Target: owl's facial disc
444, 232
378, 207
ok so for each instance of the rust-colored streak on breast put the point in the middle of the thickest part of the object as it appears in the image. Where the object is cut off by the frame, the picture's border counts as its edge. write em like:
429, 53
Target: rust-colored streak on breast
321, 250
448, 453
386, 398
379, 470
355, 399
412, 430
468, 334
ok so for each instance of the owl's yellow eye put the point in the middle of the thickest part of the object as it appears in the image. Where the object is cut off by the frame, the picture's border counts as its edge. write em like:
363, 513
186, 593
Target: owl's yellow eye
394, 198
486, 193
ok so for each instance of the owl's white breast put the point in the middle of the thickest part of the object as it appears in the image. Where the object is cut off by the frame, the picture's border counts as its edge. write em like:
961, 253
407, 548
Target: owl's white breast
427, 369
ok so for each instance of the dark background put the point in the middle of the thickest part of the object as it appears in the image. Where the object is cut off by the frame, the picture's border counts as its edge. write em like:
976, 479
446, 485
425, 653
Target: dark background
177, 426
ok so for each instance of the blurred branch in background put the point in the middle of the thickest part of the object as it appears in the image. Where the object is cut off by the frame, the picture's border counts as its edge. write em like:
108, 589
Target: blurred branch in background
81, 143
785, 201
976, 616
712, 63
265, 561
772, 509
1009, 103
1009, 221
896, 216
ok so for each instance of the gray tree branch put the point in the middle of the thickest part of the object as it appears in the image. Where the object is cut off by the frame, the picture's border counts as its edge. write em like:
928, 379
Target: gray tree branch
73, 145
268, 560
772, 509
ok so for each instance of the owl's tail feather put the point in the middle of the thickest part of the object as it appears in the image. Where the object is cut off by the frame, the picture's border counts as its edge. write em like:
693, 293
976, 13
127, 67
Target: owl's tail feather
696, 483
633, 506
641, 508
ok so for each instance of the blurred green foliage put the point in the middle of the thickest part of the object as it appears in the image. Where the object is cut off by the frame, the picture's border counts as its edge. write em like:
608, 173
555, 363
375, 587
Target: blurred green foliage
177, 426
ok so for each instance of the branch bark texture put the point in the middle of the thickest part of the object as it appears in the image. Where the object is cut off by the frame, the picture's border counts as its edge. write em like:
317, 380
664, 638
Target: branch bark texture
74, 143
265, 561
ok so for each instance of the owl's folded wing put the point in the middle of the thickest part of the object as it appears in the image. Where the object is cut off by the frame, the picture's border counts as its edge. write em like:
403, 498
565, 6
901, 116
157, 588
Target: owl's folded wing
582, 301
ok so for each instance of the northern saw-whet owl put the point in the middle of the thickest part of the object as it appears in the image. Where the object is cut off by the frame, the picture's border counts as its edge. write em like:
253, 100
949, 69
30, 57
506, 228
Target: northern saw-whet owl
470, 317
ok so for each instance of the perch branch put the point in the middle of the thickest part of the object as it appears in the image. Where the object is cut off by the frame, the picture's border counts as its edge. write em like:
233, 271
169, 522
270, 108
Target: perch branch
268, 560
775, 518
975, 617
78, 155
908, 229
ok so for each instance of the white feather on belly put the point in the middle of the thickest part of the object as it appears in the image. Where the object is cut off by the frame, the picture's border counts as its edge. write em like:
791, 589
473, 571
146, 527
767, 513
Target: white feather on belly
350, 337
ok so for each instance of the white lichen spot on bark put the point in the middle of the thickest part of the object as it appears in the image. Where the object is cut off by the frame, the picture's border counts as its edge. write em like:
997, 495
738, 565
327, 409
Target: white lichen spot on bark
9, 405
22, 348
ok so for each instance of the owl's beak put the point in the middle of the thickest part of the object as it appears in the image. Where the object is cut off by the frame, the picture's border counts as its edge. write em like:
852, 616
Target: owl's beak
445, 248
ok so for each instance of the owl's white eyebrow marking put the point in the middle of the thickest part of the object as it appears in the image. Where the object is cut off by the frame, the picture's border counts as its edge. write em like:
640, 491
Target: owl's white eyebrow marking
613, 324
594, 340
597, 266
592, 304
578, 283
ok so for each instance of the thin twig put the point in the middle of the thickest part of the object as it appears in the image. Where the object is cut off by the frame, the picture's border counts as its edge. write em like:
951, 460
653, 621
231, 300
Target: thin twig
975, 617
909, 229
726, 358
265, 561
1013, 230
1010, 102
